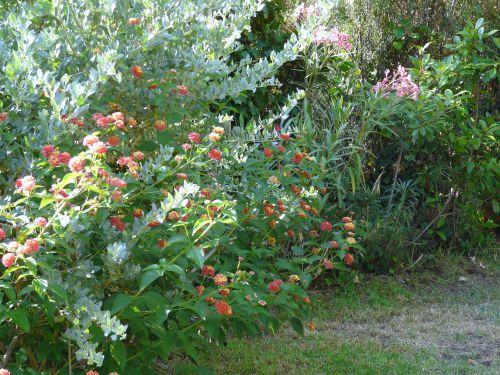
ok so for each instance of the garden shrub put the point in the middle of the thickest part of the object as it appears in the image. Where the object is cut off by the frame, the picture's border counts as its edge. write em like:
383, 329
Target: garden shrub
413, 154
138, 223
436, 150
132, 254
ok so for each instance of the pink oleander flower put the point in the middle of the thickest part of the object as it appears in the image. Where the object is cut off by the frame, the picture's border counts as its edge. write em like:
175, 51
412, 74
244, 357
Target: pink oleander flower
194, 137
117, 182
132, 122
8, 260
218, 130
303, 12
25, 184
208, 271
326, 226
399, 82
134, 21
13, 246
268, 152
31, 246
102, 172
136, 71
220, 279
117, 116
214, 137
285, 136
40, 222
186, 146
3, 236
348, 260
99, 148
103, 122
138, 155
223, 308
332, 37
116, 195
274, 286
96, 116
133, 166
113, 141
89, 140
200, 289
123, 160
181, 90
3, 116
160, 125
54, 159
117, 223
77, 122
76, 164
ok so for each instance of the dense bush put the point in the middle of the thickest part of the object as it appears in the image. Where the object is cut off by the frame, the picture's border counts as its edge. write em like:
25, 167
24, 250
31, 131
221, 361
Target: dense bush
416, 152
143, 223
445, 141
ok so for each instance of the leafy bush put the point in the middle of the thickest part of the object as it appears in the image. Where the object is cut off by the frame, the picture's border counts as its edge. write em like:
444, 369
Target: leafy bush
144, 223
415, 153
436, 164
62, 59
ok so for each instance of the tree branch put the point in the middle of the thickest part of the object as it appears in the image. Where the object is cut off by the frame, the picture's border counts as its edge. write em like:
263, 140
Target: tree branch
8, 352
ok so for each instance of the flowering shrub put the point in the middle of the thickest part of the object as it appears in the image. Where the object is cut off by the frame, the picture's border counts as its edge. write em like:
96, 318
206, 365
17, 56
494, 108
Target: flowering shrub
113, 256
140, 233
174, 58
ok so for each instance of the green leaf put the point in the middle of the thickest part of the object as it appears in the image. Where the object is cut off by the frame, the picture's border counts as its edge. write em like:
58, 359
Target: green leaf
297, 326
441, 235
46, 201
174, 117
200, 223
59, 291
119, 353
151, 274
101, 216
9, 291
120, 301
196, 255
496, 206
174, 268
397, 45
20, 317
69, 178
147, 146
163, 137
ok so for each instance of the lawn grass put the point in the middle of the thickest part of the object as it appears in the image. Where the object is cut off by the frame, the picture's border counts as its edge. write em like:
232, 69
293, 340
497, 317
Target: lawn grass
428, 323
